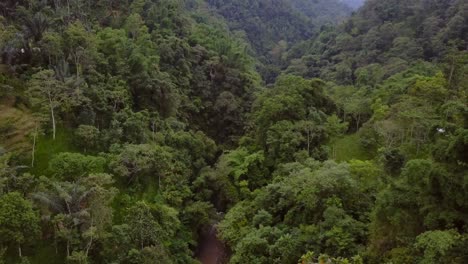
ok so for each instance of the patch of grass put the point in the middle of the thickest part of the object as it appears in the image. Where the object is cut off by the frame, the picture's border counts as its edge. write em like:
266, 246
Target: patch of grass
347, 148
47, 147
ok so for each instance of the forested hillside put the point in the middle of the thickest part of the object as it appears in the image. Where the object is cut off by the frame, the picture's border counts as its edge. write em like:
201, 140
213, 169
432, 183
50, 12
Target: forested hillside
273, 27
389, 34
191, 131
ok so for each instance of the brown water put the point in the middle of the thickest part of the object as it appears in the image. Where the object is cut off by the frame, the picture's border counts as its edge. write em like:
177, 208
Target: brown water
211, 250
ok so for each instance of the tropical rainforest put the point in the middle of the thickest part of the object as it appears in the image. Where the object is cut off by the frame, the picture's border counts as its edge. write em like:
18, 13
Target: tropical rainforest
234, 131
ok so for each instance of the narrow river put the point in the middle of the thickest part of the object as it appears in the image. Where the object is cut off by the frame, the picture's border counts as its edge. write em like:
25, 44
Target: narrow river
211, 250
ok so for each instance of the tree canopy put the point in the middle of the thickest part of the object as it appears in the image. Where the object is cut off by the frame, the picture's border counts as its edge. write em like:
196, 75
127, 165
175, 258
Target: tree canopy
234, 131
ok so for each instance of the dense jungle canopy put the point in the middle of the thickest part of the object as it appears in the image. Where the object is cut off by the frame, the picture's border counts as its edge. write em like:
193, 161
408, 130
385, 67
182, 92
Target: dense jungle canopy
234, 131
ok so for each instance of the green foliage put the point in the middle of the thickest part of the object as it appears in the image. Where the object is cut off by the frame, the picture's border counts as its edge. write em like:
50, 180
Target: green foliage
422, 190
72, 166
289, 118
388, 35
78, 258
271, 27
349, 147
285, 216
155, 129
235, 175
436, 245
11, 177
87, 137
138, 160
47, 148
53, 97
79, 211
151, 233
309, 258
19, 222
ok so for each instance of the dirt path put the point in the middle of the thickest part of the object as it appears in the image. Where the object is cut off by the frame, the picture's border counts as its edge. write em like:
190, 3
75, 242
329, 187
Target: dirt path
211, 250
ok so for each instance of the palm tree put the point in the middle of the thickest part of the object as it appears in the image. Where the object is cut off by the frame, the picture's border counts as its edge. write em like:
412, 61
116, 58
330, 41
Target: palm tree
35, 25
68, 204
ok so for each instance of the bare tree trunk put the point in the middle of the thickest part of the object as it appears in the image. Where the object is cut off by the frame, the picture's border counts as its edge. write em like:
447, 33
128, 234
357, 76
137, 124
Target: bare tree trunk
411, 131
159, 183
68, 207
452, 69
53, 122
153, 127
358, 122
68, 247
68, 7
52, 116
19, 251
141, 239
77, 64
34, 147
88, 247
55, 244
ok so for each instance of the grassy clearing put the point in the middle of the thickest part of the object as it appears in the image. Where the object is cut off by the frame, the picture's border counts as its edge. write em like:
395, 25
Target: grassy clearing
47, 147
347, 148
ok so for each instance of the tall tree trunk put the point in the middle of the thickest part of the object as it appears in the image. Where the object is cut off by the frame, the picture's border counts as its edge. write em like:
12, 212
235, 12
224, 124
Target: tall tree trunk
88, 247
55, 243
452, 69
52, 116
358, 121
153, 127
159, 183
20, 253
68, 7
53, 122
34, 147
77, 60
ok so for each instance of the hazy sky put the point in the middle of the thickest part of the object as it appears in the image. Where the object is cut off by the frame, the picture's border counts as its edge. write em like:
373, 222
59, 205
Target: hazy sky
355, 4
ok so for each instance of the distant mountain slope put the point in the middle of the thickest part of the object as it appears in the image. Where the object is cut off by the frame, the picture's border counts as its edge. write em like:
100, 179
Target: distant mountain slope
322, 11
265, 21
268, 21
273, 26
392, 33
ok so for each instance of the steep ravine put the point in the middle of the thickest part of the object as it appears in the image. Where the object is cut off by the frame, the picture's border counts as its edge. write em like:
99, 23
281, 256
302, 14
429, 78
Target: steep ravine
211, 249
